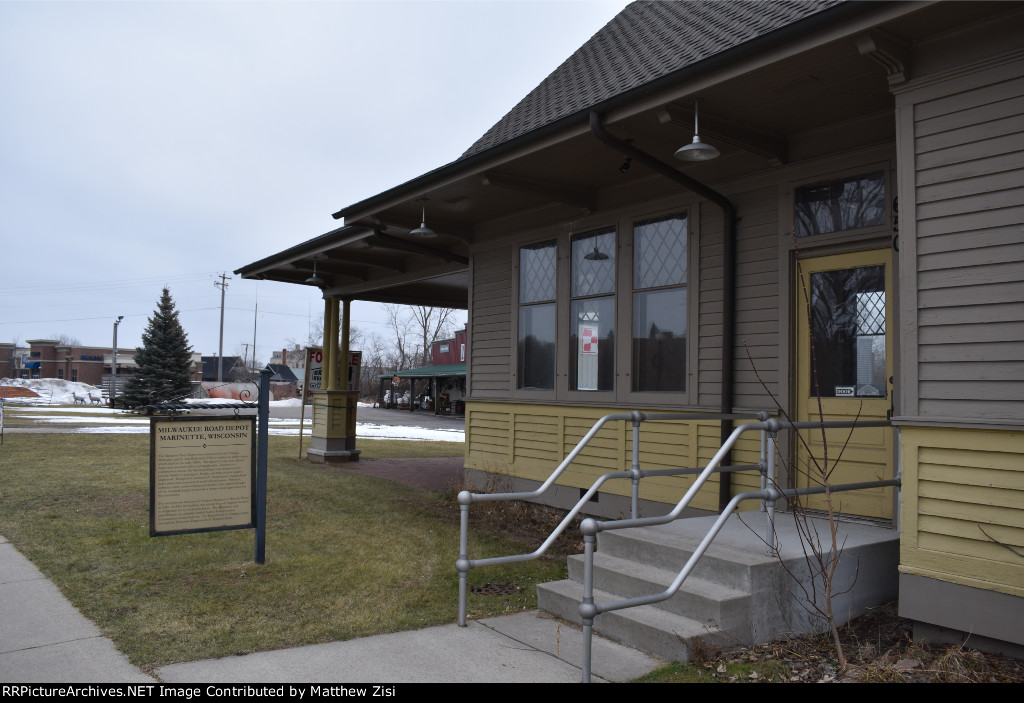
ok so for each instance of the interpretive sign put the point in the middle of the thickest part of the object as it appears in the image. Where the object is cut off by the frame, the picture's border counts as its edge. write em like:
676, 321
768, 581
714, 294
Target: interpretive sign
202, 474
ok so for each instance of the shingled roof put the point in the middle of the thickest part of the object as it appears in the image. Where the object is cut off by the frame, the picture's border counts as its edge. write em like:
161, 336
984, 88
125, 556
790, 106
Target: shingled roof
644, 42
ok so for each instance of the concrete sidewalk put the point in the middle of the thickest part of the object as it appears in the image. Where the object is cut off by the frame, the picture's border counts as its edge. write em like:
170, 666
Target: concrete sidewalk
43, 638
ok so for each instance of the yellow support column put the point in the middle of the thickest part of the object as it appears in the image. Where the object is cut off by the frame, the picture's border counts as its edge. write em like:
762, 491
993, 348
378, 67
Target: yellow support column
334, 415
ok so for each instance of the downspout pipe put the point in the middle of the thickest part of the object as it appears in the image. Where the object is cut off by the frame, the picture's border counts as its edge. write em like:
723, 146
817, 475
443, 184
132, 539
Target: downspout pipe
728, 271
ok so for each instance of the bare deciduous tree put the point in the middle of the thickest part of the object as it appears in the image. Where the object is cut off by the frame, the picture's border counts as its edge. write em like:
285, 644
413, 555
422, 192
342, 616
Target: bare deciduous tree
822, 552
66, 339
402, 330
431, 324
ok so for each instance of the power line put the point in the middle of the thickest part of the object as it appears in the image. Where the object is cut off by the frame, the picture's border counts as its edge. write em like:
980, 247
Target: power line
90, 286
86, 319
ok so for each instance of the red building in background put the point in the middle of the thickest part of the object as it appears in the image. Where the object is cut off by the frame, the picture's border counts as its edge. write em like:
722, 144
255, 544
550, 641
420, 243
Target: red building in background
449, 351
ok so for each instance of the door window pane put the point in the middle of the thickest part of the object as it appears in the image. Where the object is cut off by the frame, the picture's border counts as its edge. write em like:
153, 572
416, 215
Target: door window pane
841, 205
848, 332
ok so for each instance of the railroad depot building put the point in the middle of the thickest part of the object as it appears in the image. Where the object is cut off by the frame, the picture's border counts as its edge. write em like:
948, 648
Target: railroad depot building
861, 225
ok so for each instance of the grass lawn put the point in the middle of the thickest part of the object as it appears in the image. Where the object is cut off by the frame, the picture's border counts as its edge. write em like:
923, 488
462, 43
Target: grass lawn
347, 555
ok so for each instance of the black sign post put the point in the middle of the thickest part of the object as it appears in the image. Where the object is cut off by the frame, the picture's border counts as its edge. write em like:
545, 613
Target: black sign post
263, 413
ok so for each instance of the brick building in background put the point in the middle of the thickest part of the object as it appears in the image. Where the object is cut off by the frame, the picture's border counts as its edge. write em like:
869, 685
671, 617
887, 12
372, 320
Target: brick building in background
48, 358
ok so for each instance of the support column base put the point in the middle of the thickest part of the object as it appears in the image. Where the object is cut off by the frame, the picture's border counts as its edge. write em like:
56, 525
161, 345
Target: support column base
333, 439
322, 456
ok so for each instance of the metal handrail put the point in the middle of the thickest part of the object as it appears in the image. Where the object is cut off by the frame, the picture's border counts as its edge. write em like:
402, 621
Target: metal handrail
466, 498
768, 494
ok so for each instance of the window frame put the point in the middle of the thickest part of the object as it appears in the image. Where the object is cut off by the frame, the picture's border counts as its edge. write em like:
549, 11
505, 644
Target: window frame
610, 395
843, 238
686, 399
621, 221
684, 215
534, 393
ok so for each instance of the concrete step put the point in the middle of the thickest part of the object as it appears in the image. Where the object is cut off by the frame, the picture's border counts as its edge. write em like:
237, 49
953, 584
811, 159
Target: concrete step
698, 598
670, 546
648, 628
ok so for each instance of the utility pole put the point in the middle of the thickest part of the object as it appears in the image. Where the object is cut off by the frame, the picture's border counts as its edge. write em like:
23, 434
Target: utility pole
245, 360
223, 285
113, 363
255, 314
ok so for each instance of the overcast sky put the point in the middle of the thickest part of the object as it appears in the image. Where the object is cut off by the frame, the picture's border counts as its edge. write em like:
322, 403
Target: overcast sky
145, 144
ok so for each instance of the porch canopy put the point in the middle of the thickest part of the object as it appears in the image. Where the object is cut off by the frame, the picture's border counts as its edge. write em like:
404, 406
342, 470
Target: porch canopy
766, 73
435, 371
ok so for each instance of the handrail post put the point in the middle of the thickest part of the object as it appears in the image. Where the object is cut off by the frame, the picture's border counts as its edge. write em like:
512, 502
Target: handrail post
771, 537
587, 609
762, 465
635, 469
462, 565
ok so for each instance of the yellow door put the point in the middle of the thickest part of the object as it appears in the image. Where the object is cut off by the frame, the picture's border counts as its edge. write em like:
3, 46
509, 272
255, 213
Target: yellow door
844, 363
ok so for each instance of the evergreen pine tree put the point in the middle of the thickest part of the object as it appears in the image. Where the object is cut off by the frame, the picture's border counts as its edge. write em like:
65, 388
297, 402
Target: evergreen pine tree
163, 361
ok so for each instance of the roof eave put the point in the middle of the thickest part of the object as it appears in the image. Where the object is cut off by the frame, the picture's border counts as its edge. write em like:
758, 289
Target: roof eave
335, 238
778, 37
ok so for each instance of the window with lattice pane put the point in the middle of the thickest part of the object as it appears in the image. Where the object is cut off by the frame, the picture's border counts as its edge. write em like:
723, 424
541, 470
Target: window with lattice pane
659, 304
592, 312
538, 273
848, 332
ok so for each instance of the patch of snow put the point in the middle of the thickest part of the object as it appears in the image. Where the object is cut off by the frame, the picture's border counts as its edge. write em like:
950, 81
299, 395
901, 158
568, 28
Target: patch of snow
373, 431
215, 401
92, 420
286, 403
364, 431
52, 391
98, 410
122, 429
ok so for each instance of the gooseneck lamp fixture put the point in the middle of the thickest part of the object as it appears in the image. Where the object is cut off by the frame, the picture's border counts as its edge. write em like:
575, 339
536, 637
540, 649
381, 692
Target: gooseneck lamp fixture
423, 232
697, 150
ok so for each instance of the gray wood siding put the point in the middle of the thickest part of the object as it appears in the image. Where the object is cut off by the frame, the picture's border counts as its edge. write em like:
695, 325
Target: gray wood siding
757, 300
491, 324
968, 149
709, 312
